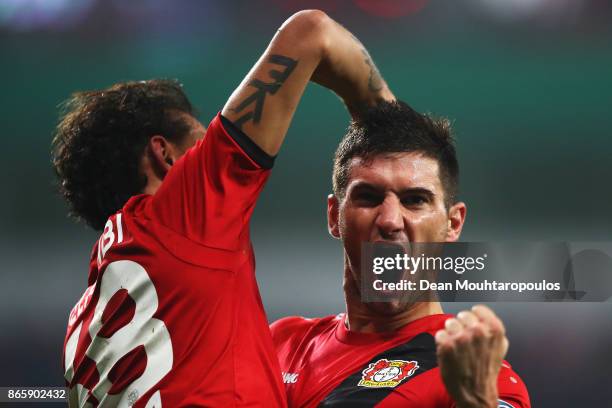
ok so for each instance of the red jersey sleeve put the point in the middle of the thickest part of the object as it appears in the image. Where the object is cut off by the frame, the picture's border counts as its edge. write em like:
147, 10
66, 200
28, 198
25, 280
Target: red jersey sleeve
210, 193
511, 389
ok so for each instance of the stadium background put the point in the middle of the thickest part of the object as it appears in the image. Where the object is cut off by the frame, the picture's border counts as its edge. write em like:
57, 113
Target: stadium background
526, 82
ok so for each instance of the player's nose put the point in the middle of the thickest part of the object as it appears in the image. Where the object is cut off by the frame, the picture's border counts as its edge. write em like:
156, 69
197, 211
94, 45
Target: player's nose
389, 220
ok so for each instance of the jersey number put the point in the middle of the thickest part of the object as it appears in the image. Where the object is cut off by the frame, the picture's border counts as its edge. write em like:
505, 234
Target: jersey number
131, 349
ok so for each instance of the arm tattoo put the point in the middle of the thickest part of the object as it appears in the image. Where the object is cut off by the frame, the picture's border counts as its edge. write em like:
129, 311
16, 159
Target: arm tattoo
375, 81
264, 88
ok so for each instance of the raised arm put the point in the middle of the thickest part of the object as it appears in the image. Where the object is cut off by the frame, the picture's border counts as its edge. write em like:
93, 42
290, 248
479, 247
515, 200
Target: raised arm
308, 46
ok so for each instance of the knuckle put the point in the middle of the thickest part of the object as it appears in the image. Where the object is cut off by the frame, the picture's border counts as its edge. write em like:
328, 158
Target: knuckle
451, 323
463, 340
479, 331
483, 311
467, 317
497, 328
441, 334
464, 314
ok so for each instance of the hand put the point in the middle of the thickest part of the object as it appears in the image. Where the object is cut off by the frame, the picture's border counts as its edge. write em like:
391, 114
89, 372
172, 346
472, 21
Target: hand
470, 351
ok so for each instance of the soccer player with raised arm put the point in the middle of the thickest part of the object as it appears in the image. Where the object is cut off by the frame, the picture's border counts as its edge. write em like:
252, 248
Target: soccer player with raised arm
172, 314
395, 181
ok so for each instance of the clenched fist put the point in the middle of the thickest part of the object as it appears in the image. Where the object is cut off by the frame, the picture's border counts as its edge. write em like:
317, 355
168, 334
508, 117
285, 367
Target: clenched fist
470, 351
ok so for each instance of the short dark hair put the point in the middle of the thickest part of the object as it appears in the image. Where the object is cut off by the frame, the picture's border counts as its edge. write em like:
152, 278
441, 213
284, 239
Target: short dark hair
394, 127
101, 137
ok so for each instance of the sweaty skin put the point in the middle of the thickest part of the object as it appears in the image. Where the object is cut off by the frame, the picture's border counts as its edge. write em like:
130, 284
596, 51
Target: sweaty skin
393, 198
397, 198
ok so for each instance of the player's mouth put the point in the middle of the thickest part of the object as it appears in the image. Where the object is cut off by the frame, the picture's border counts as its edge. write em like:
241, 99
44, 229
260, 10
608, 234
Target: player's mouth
386, 267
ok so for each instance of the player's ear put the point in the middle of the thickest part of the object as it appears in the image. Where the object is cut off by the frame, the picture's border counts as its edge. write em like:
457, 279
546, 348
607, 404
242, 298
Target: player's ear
333, 208
162, 154
456, 219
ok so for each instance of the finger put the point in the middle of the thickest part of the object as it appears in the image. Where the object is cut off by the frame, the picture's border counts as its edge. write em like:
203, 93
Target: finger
444, 345
483, 312
490, 319
505, 346
453, 326
442, 337
468, 319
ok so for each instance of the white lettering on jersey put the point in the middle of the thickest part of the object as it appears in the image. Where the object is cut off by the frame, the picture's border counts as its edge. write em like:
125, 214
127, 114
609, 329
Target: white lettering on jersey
142, 330
119, 229
81, 305
108, 236
290, 378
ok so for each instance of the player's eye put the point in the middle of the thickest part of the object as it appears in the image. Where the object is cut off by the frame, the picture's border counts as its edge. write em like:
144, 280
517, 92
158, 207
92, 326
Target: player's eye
414, 200
367, 198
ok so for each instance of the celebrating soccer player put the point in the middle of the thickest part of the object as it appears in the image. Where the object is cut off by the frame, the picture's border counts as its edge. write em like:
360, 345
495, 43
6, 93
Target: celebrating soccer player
172, 314
395, 181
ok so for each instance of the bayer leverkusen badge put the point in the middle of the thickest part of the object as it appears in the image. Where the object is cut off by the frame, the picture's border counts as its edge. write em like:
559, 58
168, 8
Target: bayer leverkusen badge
387, 373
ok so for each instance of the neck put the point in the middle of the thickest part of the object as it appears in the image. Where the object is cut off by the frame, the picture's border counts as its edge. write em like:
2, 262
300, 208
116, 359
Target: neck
153, 174
363, 320
366, 318
152, 186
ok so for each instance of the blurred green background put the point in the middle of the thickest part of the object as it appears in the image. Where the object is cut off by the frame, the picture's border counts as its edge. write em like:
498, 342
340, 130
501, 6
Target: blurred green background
526, 83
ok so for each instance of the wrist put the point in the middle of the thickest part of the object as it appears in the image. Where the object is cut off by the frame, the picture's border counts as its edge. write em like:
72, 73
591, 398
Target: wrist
479, 403
485, 398
488, 403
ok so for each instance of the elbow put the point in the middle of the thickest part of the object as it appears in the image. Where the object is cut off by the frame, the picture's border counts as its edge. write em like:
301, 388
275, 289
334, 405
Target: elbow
308, 30
308, 18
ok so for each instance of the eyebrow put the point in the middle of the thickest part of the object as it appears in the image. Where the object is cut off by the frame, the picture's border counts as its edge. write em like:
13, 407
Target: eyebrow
363, 185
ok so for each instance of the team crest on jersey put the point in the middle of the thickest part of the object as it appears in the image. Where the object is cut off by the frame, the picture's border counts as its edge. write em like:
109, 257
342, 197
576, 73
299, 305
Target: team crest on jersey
387, 373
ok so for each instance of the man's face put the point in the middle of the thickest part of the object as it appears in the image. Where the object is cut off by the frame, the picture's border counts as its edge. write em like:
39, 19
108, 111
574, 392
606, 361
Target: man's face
392, 198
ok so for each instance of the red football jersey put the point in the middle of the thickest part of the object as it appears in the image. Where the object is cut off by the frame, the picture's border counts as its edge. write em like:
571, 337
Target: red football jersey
326, 365
172, 314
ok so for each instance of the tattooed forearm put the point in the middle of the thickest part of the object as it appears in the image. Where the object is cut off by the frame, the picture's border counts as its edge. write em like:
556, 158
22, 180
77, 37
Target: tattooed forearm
264, 88
375, 81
